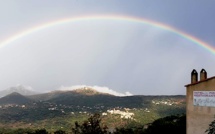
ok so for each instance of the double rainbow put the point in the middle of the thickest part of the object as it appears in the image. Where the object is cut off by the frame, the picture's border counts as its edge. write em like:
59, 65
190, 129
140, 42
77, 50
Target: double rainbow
108, 17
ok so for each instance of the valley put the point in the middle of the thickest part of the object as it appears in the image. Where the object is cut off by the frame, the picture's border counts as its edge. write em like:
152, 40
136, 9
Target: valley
60, 109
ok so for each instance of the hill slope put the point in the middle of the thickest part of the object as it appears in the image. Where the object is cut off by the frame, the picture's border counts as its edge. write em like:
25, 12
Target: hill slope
72, 94
65, 107
15, 98
92, 98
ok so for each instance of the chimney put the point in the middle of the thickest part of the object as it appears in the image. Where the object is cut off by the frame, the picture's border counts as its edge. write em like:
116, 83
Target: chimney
194, 76
203, 75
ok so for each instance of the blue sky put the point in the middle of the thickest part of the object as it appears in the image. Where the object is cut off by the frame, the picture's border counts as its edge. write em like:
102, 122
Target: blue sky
123, 56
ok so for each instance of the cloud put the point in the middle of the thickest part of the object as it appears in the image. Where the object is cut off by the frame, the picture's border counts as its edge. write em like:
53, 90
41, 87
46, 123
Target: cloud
21, 87
97, 88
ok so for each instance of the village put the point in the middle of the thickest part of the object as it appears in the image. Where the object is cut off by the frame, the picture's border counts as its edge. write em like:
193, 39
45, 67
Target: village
61, 109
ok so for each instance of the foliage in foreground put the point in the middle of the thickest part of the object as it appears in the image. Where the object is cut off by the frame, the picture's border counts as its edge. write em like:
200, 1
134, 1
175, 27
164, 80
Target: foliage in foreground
167, 125
211, 129
91, 126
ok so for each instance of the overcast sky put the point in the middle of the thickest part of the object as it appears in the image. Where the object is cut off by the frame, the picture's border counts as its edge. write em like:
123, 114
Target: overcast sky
122, 55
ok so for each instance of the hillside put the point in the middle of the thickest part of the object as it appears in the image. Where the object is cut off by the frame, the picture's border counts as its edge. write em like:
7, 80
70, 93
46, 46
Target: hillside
71, 98
91, 98
15, 98
59, 94
64, 107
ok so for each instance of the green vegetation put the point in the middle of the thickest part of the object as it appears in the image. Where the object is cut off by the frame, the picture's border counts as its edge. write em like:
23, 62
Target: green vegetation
59, 110
61, 116
168, 125
90, 126
94, 125
211, 129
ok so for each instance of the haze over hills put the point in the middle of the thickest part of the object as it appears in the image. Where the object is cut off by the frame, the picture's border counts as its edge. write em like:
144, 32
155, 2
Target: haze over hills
21, 89
96, 88
73, 92
78, 90
87, 91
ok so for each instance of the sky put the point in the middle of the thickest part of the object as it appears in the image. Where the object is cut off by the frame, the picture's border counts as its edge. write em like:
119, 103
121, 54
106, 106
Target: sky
122, 55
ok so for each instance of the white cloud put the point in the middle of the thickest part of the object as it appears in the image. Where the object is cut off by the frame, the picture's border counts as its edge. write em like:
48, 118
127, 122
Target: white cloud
97, 88
21, 87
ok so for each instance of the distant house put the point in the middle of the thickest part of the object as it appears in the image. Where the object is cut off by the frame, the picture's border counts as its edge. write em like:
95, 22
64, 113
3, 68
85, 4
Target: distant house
200, 102
125, 115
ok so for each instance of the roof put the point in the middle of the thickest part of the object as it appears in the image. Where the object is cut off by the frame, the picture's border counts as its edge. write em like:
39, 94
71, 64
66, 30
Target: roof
200, 81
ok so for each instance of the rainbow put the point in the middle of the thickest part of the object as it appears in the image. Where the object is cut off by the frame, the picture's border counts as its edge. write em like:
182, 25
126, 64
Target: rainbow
108, 17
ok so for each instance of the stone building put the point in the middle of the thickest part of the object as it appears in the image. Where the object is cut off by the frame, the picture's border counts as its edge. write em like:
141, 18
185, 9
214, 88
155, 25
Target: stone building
200, 102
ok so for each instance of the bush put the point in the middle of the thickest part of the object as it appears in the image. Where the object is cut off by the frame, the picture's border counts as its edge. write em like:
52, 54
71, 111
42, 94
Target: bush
59, 132
168, 125
211, 129
91, 126
41, 131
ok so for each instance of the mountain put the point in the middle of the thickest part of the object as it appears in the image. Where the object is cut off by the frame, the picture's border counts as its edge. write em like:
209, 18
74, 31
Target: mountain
15, 98
91, 98
66, 107
23, 90
68, 94
98, 89
88, 91
110, 101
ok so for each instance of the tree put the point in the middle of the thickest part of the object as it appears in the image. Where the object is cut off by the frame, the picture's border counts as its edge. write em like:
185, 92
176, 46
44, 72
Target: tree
59, 132
168, 125
91, 126
211, 129
41, 131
